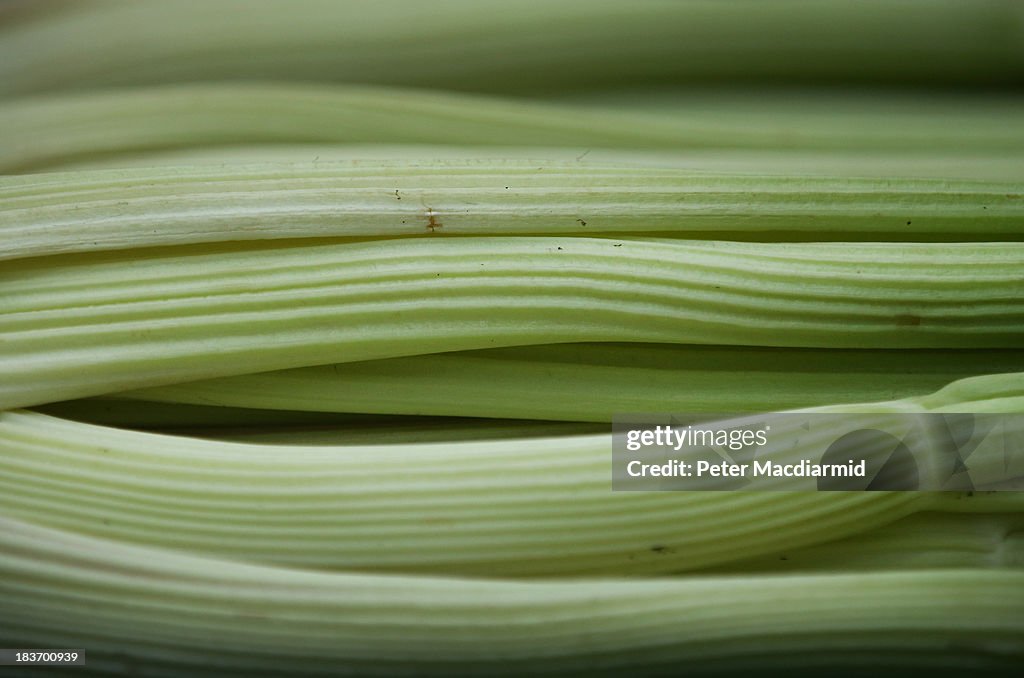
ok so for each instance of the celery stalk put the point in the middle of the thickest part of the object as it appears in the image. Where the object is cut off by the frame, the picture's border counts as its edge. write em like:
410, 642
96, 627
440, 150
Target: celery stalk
505, 507
179, 613
80, 326
59, 213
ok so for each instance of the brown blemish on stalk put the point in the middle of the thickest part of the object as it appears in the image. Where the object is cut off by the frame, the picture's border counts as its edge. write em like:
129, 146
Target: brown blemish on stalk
397, 197
582, 223
908, 320
432, 222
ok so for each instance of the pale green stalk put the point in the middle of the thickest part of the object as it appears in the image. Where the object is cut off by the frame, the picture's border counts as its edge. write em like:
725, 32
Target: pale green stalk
592, 382
57, 213
992, 166
899, 135
497, 508
80, 326
510, 507
176, 613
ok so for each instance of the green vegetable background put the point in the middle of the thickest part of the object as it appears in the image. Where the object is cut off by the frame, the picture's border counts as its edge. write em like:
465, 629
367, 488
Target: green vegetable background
314, 317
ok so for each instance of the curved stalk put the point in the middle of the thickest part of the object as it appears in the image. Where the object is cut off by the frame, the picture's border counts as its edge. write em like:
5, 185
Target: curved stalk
177, 614
509, 507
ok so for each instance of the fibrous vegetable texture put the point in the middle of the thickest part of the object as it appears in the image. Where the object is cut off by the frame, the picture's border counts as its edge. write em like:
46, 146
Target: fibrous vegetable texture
315, 317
